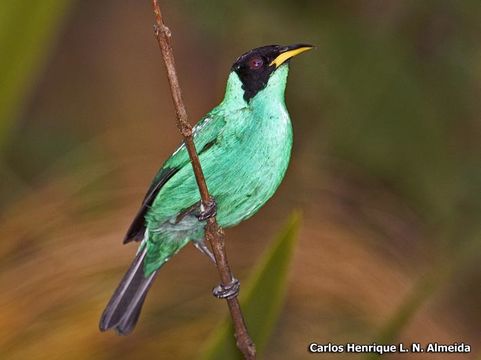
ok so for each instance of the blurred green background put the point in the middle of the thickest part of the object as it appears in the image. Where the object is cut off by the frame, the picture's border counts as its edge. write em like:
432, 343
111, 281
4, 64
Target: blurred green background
386, 170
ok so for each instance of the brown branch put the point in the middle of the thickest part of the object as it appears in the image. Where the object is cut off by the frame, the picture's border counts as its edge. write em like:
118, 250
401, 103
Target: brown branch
213, 232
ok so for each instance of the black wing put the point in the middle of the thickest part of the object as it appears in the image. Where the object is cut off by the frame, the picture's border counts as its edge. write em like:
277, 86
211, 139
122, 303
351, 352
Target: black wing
137, 228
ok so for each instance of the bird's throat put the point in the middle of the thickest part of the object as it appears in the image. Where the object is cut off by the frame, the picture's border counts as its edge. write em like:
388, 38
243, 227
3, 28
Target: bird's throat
272, 93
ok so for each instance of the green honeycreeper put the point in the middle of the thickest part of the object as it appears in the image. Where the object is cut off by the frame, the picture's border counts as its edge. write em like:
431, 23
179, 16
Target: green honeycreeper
244, 145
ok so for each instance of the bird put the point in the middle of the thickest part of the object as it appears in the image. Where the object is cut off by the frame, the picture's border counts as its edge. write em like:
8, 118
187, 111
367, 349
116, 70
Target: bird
244, 147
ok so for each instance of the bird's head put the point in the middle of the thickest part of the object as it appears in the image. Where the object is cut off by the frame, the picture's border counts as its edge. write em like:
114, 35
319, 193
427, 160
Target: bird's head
257, 67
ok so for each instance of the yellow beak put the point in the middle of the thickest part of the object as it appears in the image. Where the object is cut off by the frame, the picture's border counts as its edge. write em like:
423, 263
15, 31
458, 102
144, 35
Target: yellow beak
289, 52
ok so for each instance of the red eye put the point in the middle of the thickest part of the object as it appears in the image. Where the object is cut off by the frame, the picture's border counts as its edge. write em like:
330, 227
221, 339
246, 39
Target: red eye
256, 63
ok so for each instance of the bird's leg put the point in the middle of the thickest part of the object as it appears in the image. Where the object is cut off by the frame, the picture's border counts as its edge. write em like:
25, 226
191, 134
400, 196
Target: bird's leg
204, 249
220, 291
208, 209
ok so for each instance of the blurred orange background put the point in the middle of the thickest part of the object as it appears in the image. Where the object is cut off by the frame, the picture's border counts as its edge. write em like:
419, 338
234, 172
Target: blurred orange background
385, 169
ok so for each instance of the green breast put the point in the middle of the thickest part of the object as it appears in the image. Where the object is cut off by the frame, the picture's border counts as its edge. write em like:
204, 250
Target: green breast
245, 164
256, 156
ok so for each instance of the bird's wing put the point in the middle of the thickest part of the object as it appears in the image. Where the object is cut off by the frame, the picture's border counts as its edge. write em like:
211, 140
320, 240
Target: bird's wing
205, 134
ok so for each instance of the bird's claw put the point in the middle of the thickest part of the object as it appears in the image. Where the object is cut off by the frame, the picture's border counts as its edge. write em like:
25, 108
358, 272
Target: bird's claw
162, 28
227, 291
207, 209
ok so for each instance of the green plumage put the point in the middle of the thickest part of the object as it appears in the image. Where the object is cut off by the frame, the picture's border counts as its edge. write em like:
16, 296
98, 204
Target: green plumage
244, 145
244, 150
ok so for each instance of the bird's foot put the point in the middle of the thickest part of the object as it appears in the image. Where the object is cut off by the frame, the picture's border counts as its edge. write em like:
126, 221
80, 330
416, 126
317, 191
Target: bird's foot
227, 291
208, 209
159, 29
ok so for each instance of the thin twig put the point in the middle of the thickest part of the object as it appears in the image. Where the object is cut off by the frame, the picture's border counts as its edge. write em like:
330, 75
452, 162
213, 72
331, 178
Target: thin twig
213, 232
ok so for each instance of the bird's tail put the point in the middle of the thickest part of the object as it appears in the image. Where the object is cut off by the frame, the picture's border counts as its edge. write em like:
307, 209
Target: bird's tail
123, 309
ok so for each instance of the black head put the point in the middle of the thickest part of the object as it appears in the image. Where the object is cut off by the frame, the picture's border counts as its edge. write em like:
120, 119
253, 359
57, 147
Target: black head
256, 66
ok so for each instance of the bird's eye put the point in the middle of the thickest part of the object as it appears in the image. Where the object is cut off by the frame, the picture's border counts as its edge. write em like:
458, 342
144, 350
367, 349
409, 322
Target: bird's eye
256, 63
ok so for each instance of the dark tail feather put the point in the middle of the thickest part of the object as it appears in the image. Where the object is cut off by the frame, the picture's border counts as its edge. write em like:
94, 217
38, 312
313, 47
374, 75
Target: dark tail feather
123, 309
